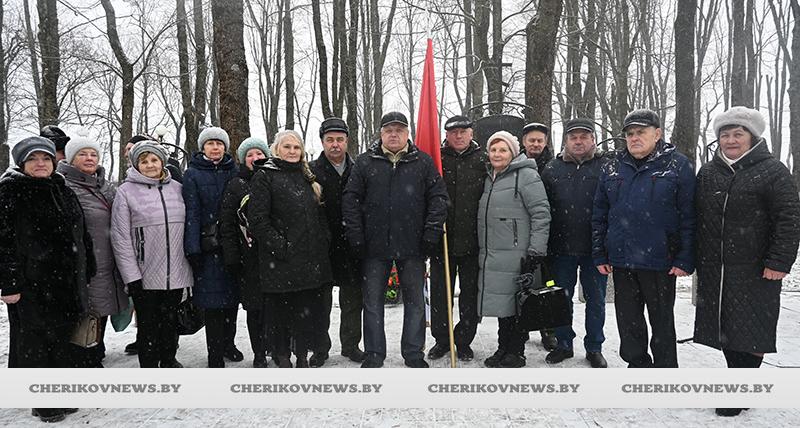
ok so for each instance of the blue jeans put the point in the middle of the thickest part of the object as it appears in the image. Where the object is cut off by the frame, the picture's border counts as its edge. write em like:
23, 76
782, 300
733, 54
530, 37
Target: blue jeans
593, 283
411, 273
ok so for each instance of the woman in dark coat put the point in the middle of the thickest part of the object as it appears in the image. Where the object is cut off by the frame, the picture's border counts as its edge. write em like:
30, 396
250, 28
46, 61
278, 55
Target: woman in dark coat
239, 249
215, 290
289, 224
748, 217
86, 177
46, 260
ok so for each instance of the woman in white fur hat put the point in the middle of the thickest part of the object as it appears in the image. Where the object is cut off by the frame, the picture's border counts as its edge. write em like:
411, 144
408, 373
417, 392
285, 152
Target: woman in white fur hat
748, 229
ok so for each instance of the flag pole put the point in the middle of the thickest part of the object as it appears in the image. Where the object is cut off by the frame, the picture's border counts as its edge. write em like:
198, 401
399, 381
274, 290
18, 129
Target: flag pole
449, 300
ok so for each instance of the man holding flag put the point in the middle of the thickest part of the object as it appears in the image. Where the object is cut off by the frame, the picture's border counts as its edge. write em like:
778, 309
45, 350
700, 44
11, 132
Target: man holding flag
394, 207
464, 168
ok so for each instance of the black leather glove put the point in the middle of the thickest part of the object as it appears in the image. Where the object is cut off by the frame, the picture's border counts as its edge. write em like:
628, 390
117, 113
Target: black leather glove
432, 249
195, 261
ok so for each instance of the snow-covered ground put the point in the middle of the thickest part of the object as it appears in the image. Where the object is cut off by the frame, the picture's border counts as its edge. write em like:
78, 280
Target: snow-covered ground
192, 353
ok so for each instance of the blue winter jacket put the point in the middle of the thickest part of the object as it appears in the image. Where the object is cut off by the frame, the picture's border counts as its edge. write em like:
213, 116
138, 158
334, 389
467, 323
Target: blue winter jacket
643, 218
203, 187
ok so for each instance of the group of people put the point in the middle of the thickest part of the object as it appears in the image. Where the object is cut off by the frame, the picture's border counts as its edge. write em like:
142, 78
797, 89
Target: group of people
276, 233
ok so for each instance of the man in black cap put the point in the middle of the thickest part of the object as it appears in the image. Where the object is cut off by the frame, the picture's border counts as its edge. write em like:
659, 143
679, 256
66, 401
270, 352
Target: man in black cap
643, 225
534, 141
394, 206
464, 170
571, 180
58, 137
332, 169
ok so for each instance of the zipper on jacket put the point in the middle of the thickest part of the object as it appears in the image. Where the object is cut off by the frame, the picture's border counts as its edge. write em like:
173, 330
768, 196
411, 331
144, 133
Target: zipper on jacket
486, 241
166, 228
516, 241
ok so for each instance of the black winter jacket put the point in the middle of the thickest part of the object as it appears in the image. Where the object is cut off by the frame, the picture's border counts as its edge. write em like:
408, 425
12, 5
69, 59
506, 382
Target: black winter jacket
45, 250
345, 266
543, 159
464, 174
570, 189
290, 227
390, 208
236, 250
748, 217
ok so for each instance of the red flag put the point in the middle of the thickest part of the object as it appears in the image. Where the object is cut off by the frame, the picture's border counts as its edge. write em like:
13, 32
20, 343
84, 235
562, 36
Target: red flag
428, 137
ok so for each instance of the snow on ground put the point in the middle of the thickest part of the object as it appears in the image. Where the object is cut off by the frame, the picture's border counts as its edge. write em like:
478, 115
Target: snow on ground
192, 353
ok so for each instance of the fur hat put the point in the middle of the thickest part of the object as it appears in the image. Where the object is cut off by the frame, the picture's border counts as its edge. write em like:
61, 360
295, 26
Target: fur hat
30, 145
252, 143
147, 146
213, 133
745, 117
507, 138
77, 144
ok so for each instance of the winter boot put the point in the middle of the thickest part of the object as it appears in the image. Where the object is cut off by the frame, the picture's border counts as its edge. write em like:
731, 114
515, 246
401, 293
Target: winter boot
494, 360
49, 415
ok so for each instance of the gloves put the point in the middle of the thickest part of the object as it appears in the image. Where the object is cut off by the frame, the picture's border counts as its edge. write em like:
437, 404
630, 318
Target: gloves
195, 261
431, 249
134, 287
531, 263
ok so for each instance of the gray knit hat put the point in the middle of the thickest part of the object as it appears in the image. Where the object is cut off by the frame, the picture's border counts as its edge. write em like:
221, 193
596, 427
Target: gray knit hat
28, 146
77, 144
507, 138
745, 117
147, 146
252, 143
213, 133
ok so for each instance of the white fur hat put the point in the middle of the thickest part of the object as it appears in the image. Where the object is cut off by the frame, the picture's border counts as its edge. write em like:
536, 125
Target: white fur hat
750, 119
77, 144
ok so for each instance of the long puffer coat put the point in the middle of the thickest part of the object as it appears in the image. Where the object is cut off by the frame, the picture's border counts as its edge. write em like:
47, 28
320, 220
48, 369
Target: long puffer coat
236, 249
147, 224
290, 227
203, 185
748, 218
96, 195
45, 250
513, 222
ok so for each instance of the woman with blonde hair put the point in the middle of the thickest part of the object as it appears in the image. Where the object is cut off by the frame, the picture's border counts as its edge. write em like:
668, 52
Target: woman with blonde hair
288, 222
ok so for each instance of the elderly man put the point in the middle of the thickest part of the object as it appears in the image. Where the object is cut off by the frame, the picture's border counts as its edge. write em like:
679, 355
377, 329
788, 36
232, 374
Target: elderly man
333, 168
464, 170
394, 206
571, 180
643, 226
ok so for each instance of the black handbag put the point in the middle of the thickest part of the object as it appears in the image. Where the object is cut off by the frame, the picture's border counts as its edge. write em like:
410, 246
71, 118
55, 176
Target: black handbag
542, 307
190, 317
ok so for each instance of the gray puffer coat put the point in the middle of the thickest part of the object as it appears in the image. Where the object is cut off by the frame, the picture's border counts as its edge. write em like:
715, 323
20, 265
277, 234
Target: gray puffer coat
147, 232
513, 221
96, 196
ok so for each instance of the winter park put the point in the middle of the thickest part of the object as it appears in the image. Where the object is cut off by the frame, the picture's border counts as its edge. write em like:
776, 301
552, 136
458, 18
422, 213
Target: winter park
390, 184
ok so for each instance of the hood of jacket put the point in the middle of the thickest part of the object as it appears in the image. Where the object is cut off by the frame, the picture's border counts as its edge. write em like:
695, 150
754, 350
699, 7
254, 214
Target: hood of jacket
134, 176
519, 162
757, 153
71, 173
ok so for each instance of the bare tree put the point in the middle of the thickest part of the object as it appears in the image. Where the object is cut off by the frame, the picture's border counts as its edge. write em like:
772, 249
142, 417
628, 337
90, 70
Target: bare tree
683, 132
379, 49
541, 34
794, 91
49, 46
231, 73
742, 91
323, 59
288, 56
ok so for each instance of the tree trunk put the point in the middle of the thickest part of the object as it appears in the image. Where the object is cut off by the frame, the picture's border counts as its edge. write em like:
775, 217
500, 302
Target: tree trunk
323, 59
49, 45
541, 33
574, 60
494, 72
34, 57
201, 73
234, 109
350, 79
474, 76
683, 133
183, 67
379, 49
794, 93
288, 47
739, 53
4, 156
128, 93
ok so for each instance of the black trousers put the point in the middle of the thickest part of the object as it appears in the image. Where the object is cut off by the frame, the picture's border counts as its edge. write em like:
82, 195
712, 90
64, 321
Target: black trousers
635, 290
220, 332
289, 317
744, 360
156, 317
257, 333
466, 268
13, 335
350, 304
509, 337
45, 348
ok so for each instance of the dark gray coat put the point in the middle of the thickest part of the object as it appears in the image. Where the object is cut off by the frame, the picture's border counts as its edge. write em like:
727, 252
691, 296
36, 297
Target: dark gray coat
96, 196
513, 221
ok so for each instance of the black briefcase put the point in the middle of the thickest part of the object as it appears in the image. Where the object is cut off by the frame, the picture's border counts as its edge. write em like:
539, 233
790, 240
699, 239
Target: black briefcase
542, 307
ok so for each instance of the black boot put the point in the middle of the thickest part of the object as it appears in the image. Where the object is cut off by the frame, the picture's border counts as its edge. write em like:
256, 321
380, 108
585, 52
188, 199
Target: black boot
726, 412
49, 415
